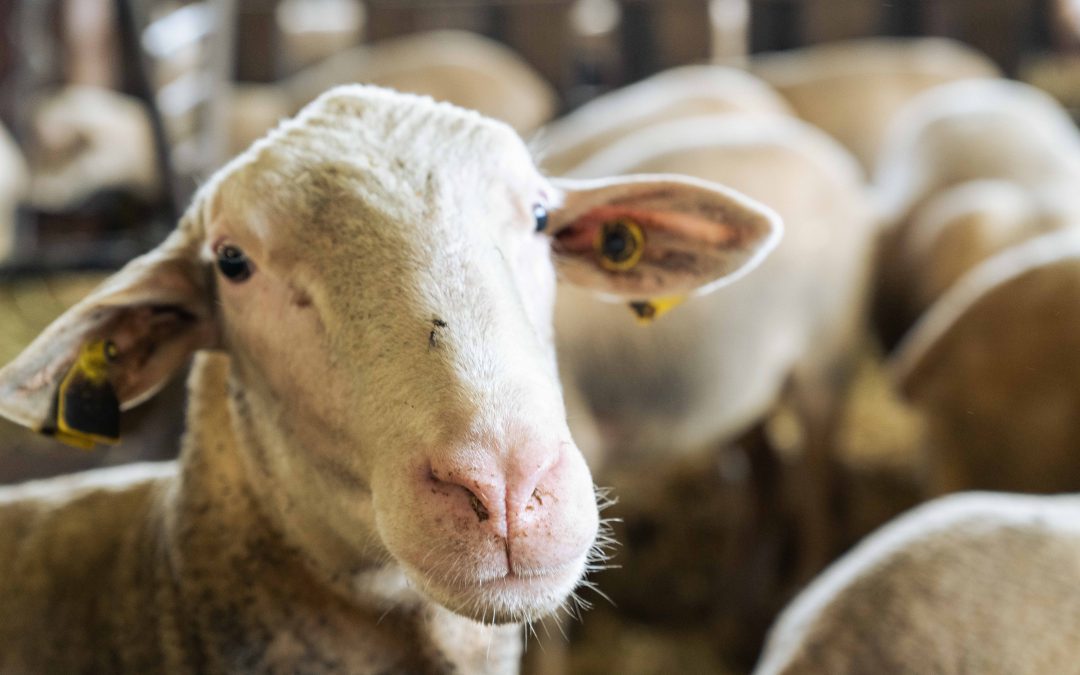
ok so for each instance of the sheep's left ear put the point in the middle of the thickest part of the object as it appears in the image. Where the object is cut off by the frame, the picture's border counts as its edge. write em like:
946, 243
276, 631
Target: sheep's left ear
651, 240
114, 349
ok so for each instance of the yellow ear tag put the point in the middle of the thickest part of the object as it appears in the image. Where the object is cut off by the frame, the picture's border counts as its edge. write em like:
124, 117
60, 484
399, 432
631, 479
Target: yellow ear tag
87, 409
619, 244
648, 311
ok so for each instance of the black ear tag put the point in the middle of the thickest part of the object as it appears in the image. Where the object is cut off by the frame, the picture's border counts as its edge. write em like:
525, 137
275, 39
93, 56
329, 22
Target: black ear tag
87, 409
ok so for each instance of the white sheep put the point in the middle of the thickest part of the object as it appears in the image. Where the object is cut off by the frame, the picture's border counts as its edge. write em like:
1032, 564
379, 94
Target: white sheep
951, 135
14, 179
992, 369
971, 130
377, 474
686, 91
971, 583
717, 364
961, 226
90, 139
852, 88
460, 67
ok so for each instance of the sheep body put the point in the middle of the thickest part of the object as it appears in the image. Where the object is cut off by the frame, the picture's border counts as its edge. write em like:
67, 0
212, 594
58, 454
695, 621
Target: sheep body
990, 367
459, 67
852, 88
463, 68
969, 167
972, 130
964, 225
718, 363
977, 582
683, 92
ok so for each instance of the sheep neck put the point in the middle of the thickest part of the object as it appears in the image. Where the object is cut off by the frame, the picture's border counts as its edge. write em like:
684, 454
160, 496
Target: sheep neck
243, 580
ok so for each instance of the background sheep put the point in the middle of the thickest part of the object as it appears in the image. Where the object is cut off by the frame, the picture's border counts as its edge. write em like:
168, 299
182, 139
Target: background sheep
673, 399
953, 134
991, 367
852, 89
962, 226
89, 139
463, 68
684, 92
977, 129
973, 583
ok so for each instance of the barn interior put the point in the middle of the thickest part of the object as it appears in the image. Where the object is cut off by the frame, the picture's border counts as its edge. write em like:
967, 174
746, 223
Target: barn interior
114, 112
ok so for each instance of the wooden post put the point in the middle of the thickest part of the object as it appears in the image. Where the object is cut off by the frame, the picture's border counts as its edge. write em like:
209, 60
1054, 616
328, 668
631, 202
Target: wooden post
683, 32
775, 25
540, 32
257, 44
828, 20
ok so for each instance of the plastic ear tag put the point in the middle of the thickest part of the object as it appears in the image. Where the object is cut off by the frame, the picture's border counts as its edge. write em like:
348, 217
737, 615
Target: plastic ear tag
647, 311
87, 409
619, 244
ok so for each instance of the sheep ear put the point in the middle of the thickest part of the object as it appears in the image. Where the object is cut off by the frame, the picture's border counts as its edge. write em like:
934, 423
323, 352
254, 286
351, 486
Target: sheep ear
114, 349
652, 240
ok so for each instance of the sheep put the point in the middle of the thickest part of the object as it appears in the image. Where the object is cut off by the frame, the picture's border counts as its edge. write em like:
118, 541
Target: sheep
464, 68
686, 91
970, 583
90, 139
455, 66
852, 88
951, 135
990, 369
14, 179
971, 130
959, 227
381, 480
717, 364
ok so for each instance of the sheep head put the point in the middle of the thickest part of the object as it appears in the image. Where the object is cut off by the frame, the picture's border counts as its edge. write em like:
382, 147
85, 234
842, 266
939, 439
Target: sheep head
381, 271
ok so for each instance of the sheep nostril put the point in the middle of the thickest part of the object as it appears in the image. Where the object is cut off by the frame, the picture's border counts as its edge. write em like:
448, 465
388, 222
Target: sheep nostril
477, 506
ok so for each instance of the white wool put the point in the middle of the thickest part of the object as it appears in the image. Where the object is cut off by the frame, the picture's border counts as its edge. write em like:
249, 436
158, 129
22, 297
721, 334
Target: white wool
971, 513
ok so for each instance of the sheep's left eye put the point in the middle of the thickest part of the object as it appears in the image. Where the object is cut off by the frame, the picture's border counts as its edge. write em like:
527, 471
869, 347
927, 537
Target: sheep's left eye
233, 263
540, 214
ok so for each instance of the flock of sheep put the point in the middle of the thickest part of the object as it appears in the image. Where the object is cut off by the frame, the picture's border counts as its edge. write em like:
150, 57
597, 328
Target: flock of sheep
386, 469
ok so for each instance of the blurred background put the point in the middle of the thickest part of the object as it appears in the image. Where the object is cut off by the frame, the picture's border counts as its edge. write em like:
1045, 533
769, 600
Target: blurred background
187, 85
112, 112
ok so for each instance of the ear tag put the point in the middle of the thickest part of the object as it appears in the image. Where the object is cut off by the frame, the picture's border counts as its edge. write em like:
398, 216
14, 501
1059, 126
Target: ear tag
619, 244
647, 311
87, 409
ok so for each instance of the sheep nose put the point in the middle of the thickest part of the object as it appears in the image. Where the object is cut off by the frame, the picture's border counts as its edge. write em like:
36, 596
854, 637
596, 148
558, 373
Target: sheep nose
501, 492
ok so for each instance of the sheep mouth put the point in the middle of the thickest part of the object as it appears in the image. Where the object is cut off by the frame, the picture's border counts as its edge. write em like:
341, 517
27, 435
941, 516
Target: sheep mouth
510, 597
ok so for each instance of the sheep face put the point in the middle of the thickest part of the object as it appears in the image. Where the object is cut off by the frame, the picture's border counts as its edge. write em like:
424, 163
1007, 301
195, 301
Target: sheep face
380, 271
398, 260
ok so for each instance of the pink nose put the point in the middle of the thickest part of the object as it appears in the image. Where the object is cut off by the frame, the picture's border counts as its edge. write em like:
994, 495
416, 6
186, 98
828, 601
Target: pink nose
502, 493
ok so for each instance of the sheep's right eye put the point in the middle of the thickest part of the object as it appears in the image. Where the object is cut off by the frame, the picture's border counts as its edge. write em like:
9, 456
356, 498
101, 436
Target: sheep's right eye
233, 263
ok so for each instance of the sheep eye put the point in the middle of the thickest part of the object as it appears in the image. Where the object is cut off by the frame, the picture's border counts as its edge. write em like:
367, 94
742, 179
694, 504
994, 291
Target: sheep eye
540, 214
233, 263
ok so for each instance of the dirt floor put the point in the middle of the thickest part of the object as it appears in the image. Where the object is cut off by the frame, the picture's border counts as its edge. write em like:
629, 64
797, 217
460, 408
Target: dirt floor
707, 546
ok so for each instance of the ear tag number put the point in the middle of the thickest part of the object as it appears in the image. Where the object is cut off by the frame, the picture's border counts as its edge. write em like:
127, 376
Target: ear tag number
619, 244
647, 311
87, 409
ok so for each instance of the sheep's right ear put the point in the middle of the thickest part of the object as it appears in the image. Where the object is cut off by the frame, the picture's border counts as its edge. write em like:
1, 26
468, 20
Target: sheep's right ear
115, 348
